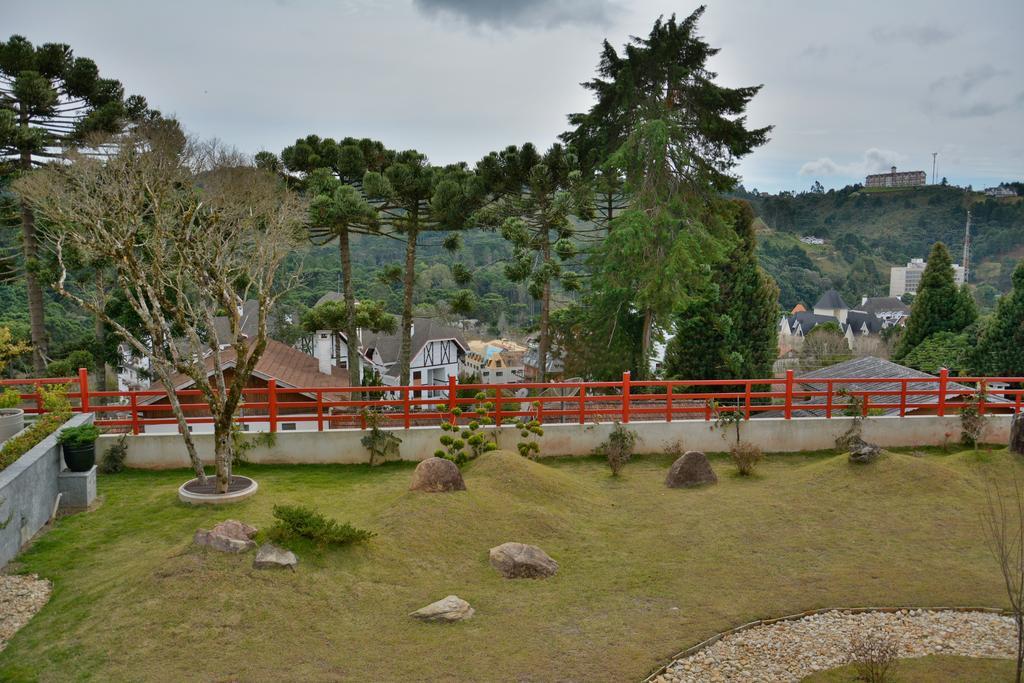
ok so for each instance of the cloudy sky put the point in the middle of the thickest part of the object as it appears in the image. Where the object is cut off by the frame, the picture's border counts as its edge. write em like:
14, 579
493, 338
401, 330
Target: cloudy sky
851, 88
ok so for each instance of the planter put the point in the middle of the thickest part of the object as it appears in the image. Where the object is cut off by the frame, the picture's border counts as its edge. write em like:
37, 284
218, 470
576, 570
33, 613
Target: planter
80, 458
195, 493
12, 421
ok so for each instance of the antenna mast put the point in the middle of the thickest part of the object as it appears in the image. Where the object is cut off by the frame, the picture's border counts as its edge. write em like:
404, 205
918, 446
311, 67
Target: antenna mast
934, 154
967, 247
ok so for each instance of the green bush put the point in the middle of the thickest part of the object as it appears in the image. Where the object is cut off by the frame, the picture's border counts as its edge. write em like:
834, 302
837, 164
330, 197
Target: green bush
618, 448
113, 458
10, 398
82, 435
18, 445
464, 443
298, 521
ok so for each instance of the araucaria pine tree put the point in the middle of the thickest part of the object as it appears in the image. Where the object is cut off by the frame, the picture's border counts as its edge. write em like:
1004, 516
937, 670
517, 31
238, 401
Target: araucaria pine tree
731, 330
1001, 351
51, 99
939, 306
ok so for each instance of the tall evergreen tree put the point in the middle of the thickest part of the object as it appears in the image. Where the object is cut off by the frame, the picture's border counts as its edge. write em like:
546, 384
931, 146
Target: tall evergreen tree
732, 330
51, 99
674, 136
533, 198
1001, 350
939, 306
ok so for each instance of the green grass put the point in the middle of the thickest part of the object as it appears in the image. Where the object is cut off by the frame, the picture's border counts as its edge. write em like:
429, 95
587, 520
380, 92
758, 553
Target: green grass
935, 669
645, 571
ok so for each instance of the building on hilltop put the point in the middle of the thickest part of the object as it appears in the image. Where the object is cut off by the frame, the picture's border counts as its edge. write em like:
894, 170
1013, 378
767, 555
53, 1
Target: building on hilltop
499, 361
861, 326
1000, 191
906, 279
897, 179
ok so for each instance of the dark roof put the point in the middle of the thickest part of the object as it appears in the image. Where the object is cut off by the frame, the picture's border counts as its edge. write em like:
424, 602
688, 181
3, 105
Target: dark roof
330, 296
831, 299
423, 331
289, 366
249, 322
883, 304
858, 320
554, 361
807, 321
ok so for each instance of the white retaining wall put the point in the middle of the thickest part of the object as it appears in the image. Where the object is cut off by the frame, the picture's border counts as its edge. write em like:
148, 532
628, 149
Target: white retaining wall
162, 451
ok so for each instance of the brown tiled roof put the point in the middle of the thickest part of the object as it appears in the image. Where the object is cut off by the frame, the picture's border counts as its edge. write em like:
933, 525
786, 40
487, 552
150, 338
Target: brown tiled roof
289, 366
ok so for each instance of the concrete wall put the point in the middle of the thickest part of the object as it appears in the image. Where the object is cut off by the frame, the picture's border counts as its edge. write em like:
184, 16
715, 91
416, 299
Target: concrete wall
28, 491
161, 451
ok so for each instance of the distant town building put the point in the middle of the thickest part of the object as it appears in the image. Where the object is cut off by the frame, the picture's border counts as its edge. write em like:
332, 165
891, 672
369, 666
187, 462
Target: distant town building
1001, 191
905, 279
811, 239
897, 179
499, 361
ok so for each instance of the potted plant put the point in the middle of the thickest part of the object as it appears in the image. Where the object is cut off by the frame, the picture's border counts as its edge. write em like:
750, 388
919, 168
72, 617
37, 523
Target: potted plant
79, 444
12, 418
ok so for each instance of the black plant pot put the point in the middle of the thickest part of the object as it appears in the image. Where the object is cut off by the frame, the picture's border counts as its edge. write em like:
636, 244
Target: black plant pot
80, 458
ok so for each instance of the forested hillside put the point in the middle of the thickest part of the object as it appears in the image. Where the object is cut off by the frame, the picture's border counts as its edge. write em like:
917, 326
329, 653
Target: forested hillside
867, 232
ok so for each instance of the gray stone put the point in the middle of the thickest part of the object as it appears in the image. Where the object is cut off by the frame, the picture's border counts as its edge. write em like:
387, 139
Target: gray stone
230, 536
690, 469
522, 561
447, 610
864, 452
436, 475
269, 556
1017, 434
77, 489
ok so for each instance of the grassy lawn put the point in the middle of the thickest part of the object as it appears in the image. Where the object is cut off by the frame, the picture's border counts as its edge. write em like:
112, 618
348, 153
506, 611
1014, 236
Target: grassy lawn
936, 669
645, 571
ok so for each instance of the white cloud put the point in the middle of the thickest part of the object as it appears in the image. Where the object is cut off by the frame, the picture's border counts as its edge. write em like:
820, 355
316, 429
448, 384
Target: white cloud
873, 160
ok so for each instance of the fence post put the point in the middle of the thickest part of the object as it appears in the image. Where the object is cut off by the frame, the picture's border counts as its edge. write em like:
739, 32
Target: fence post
981, 396
746, 401
583, 402
452, 382
789, 394
668, 402
272, 403
134, 402
903, 398
943, 379
83, 388
828, 400
406, 407
320, 411
625, 397
864, 404
497, 406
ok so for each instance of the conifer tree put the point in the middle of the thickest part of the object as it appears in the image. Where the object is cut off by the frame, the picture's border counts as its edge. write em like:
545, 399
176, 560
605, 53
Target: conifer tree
1001, 350
49, 100
939, 306
731, 331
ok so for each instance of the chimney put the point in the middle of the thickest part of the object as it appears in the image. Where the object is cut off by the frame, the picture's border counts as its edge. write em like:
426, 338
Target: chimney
412, 327
322, 351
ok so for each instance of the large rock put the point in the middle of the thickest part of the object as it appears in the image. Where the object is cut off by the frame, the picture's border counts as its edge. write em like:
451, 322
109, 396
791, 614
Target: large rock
864, 452
436, 475
1017, 434
447, 610
690, 469
521, 561
269, 556
230, 536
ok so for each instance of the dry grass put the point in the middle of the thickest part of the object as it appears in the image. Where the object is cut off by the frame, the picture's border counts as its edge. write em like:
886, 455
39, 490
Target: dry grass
934, 669
645, 570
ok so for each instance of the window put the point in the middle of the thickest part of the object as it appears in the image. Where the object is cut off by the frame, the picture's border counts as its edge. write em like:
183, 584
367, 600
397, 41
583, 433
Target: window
499, 373
246, 426
288, 427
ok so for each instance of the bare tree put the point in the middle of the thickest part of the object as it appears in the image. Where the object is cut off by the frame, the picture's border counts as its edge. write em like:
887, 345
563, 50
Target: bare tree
1004, 526
191, 230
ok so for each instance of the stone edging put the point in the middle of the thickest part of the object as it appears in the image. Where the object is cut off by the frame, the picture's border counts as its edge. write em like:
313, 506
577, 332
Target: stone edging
690, 651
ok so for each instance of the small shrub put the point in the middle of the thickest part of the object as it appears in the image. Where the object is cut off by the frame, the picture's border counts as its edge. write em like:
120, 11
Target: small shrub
242, 442
745, 456
10, 398
16, 446
381, 444
618, 448
726, 418
853, 436
530, 431
82, 435
874, 658
464, 443
298, 521
113, 458
674, 448
973, 423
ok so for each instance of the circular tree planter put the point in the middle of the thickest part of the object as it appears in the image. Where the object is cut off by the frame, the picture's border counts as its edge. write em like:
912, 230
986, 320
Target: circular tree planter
195, 493
12, 421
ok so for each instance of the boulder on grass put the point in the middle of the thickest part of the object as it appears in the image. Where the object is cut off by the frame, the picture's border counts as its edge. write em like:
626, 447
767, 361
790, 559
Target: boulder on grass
269, 556
522, 561
446, 610
864, 453
230, 536
436, 475
1017, 434
690, 469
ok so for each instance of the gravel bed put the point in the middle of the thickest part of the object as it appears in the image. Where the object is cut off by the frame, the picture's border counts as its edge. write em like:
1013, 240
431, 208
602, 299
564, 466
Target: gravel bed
21, 596
791, 650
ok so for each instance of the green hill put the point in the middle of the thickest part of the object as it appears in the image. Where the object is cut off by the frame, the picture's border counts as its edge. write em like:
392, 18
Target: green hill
866, 232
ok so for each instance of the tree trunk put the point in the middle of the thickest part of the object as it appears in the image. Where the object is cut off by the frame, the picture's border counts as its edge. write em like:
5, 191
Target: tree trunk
408, 284
223, 452
545, 333
37, 320
190, 446
1020, 646
1017, 434
645, 345
351, 330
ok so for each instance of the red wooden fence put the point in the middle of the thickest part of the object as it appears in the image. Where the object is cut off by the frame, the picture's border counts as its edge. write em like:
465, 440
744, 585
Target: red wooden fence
553, 402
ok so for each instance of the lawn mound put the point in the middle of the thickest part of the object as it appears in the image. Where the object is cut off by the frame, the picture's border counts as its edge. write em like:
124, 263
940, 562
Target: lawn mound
508, 473
899, 470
